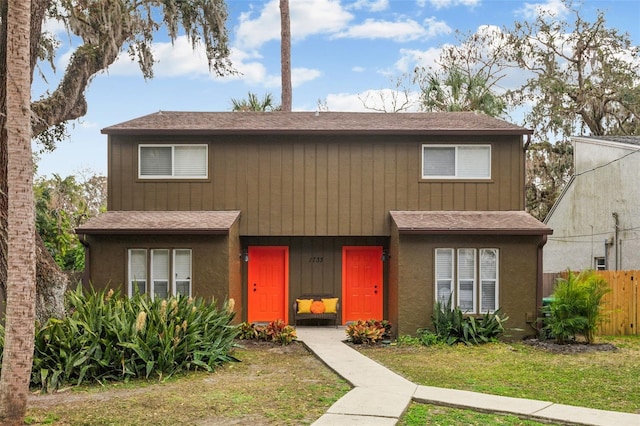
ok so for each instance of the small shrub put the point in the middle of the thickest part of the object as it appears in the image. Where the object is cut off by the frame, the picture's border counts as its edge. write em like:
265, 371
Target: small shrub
368, 331
575, 308
452, 326
427, 337
276, 331
408, 340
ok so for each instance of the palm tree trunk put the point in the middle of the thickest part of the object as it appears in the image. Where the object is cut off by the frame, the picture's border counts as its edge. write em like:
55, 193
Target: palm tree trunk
285, 51
21, 261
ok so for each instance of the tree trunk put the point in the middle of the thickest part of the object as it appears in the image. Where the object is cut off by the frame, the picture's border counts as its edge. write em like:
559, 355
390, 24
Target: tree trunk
51, 280
21, 264
285, 51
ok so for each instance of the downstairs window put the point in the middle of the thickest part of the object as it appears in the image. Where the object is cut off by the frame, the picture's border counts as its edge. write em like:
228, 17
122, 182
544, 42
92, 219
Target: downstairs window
469, 276
159, 272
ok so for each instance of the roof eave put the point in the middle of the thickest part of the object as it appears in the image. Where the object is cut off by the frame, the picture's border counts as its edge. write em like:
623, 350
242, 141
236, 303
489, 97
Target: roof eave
515, 231
207, 132
147, 231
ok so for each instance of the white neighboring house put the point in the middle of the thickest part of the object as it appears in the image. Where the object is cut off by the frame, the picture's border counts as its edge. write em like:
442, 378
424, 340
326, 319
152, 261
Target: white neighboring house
596, 219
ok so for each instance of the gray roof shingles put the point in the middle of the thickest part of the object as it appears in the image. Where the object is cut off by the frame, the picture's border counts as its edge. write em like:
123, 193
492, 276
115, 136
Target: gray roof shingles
469, 222
160, 222
211, 123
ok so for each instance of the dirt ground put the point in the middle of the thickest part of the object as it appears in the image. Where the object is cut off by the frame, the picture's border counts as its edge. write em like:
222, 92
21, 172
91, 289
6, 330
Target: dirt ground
570, 348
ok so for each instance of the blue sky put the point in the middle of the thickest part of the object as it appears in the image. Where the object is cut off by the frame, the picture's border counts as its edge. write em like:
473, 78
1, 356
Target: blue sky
343, 53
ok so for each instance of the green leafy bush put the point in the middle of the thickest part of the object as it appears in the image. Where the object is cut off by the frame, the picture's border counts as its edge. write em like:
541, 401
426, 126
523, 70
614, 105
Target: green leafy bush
575, 308
368, 331
276, 331
453, 326
107, 337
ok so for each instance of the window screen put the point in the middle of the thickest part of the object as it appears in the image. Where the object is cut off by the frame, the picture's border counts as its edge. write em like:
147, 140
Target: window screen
173, 161
456, 161
137, 271
160, 271
182, 272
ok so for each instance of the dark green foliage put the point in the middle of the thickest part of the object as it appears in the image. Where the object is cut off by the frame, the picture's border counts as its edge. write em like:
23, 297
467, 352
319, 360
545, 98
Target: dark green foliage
575, 307
107, 337
368, 331
276, 331
452, 326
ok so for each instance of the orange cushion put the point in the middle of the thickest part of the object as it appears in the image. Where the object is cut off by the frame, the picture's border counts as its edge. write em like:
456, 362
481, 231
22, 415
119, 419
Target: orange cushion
330, 305
317, 307
304, 305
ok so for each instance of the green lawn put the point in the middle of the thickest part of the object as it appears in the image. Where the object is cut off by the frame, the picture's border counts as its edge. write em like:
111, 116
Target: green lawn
602, 380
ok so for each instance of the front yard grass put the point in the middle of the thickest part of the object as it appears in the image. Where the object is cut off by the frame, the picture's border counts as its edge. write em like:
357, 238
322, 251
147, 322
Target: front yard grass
273, 385
602, 380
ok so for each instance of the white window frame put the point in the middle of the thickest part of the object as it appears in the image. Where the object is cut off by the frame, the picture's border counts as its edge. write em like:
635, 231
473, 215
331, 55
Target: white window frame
444, 275
151, 277
473, 279
131, 279
496, 282
600, 263
173, 174
458, 148
188, 278
440, 275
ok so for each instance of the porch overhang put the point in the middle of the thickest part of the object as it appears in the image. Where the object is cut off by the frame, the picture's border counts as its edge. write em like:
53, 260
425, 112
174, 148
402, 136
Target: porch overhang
160, 223
468, 223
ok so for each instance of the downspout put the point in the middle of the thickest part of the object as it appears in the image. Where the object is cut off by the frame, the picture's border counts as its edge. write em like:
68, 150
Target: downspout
615, 241
539, 277
524, 172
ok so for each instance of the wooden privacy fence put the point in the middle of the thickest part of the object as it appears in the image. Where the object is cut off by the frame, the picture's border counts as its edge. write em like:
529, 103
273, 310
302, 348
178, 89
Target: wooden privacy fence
620, 307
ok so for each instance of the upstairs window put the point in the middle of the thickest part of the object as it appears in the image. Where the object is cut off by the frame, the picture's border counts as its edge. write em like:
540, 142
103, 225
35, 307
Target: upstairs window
456, 161
172, 161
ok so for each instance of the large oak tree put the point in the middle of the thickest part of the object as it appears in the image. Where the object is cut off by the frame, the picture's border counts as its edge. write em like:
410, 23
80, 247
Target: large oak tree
103, 29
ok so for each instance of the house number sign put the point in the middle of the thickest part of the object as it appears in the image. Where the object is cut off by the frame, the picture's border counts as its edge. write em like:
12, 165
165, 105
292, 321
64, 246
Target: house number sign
316, 259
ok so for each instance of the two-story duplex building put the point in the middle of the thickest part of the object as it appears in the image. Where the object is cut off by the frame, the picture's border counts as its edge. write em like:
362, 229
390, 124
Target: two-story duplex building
388, 212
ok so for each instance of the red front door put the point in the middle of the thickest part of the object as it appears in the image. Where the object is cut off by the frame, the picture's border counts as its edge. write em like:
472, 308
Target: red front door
268, 279
361, 283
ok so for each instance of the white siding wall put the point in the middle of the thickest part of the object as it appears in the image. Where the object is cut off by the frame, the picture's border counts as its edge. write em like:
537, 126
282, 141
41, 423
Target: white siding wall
607, 180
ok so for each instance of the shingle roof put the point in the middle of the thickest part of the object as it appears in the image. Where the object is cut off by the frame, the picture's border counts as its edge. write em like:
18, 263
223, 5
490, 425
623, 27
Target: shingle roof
160, 222
632, 140
469, 222
205, 123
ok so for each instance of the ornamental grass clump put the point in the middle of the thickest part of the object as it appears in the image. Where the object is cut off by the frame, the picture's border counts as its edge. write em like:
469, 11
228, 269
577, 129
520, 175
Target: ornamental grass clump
108, 337
575, 307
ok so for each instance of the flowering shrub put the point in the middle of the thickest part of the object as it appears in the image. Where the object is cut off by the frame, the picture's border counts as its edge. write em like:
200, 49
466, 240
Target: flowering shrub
108, 337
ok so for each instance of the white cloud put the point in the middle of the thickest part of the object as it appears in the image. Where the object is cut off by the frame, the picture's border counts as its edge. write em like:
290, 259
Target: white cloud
370, 100
371, 5
442, 4
54, 26
550, 7
307, 17
299, 76
411, 58
400, 31
358, 69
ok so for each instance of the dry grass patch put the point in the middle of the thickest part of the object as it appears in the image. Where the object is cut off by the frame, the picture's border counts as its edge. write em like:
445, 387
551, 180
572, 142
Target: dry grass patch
284, 385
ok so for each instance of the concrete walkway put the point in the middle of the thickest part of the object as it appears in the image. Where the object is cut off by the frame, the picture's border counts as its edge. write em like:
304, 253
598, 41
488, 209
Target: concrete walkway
380, 396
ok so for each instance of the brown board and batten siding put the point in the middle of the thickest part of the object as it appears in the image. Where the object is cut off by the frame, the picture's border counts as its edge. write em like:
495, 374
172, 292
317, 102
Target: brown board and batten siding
319, 185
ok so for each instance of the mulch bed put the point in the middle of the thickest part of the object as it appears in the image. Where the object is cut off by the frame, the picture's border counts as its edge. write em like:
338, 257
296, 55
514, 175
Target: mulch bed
570, 348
